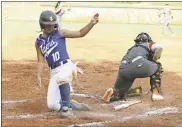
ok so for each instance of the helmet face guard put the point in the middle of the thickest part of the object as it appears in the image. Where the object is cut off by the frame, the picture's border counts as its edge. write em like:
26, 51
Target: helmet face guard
143, 37
48, 18
43, 24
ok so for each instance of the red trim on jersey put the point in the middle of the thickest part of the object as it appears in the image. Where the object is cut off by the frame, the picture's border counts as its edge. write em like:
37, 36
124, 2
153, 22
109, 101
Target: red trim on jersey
150, 44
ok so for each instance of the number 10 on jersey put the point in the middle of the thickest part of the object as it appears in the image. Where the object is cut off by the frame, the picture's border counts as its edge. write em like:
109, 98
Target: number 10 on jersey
56, 56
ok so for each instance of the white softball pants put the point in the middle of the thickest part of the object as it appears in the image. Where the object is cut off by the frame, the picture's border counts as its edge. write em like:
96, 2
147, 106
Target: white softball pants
58, 76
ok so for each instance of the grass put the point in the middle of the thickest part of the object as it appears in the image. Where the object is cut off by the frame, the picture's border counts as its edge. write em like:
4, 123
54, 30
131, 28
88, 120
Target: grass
107, 41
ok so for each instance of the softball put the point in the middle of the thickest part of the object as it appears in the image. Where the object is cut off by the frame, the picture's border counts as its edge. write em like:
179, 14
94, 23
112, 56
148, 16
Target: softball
137, 91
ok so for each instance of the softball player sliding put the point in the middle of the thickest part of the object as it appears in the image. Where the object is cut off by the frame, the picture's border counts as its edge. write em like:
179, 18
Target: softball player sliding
51, 45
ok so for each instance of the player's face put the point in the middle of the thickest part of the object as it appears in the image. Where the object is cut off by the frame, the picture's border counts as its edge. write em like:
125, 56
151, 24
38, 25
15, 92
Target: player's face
48, 28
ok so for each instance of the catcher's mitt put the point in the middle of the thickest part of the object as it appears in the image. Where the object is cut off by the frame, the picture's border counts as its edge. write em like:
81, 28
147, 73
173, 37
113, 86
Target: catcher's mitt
134, 91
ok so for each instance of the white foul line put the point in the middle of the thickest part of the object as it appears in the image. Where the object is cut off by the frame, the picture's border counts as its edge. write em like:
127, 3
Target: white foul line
159, 111
15, 101
28, 116
25, 100
155, 111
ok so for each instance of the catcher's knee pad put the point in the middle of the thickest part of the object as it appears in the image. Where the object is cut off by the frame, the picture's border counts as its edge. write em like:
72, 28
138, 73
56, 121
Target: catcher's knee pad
156, 79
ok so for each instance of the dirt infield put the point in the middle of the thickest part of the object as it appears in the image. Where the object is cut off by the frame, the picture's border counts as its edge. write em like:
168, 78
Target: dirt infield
99, 53
19, 83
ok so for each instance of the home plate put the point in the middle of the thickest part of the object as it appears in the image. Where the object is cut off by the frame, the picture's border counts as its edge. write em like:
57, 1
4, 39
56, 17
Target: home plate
118, 105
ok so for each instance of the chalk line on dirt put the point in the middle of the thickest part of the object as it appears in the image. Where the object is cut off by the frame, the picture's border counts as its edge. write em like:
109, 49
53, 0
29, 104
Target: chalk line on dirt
153, 112
159, 111
29, 116
15, 101
25, 100
25, 116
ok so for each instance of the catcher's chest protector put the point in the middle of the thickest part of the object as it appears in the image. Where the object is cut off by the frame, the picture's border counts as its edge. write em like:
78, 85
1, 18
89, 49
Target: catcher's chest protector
138, 50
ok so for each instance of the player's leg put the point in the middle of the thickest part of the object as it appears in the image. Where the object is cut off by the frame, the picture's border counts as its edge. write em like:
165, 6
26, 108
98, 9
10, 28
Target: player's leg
145, 68
163, 29
121, 87
53, 95
64, 78
71, 88
154, 71
159, 21
65, 97
141, 68
169, 28
156, 83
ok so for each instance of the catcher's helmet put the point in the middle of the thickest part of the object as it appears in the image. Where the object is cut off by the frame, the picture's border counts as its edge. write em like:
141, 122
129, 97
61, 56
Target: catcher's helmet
143, 37
48, 18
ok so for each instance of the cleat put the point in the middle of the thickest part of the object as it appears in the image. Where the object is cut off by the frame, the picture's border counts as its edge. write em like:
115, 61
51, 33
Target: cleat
107, 96
67, 113
157, 97
79, 106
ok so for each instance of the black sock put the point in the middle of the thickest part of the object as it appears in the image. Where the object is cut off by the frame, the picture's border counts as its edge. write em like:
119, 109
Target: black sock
65, 95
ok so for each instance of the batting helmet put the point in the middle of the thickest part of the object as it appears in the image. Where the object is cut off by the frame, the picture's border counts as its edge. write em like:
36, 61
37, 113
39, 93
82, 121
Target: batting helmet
143, 37
48, 18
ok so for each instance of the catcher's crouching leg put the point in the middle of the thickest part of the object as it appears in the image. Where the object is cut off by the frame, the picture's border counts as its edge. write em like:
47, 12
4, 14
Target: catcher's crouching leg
156, 82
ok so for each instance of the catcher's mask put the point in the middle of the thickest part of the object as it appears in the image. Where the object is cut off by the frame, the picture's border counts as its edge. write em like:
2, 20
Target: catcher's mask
48, 18
143, 37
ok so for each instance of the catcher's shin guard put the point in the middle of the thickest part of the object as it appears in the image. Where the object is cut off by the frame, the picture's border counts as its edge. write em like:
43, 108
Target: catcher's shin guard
156, 79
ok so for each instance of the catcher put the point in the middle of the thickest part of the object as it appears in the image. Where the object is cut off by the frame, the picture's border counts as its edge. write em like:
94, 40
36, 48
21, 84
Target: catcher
140, 61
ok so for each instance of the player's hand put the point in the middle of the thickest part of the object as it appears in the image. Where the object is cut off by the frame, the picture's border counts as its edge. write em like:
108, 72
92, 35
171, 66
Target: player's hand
95, 19
39, 82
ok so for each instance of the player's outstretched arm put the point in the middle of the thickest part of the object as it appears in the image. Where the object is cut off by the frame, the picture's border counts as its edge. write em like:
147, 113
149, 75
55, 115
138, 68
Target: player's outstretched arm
81, 33
40, 61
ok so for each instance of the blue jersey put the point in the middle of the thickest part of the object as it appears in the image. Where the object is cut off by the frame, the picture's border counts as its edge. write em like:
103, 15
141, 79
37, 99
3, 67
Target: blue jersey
53, 48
